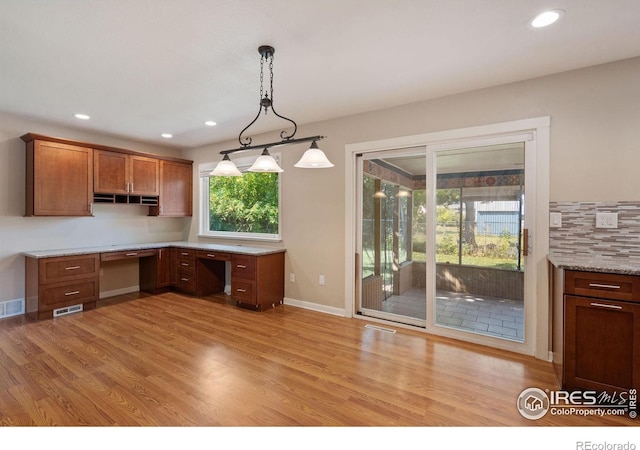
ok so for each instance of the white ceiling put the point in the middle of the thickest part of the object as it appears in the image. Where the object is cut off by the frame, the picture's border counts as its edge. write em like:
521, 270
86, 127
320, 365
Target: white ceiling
143, 67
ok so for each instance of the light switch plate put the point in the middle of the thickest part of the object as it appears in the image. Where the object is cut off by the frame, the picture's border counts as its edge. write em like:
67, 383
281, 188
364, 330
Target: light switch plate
555, 220
606, 220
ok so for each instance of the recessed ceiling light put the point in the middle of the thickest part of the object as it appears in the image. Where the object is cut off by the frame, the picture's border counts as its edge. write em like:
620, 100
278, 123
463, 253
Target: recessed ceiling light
546, 18
82, 116
167, 135
210, 123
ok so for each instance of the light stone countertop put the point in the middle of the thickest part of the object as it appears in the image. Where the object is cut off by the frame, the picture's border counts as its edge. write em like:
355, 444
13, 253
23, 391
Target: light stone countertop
238, 249
596, 263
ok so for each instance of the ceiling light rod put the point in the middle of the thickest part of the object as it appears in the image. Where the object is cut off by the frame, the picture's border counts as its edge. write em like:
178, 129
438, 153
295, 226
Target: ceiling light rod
272, 144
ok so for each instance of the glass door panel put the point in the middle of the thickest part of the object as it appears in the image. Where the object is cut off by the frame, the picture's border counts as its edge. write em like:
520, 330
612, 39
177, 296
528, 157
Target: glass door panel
479, 226
392, 237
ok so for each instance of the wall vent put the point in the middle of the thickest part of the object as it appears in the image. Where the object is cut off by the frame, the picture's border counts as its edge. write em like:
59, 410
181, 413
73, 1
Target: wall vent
10, 308
67, 310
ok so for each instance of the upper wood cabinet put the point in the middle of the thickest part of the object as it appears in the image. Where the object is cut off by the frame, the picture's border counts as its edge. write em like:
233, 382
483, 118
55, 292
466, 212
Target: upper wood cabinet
65, 178
59, 179
122, 173
176, 190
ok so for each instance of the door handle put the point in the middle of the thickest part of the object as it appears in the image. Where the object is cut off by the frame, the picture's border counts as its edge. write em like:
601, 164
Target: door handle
525, 242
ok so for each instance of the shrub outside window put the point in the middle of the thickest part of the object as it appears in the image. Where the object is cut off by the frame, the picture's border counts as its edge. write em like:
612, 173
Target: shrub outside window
246, 207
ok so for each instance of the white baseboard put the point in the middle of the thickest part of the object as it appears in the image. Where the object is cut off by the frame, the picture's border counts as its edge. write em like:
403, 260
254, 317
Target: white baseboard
314, 307
113, 293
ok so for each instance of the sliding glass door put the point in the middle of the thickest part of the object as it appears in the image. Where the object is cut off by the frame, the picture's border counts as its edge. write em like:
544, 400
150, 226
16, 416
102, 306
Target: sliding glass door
442, 238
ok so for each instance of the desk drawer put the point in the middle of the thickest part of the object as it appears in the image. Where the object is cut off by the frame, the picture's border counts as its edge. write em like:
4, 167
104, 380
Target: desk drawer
186, 281
603, 285
186, 253
243, 291
216, 256
66, 294
114, 256
187, 266
243, 266
68, 268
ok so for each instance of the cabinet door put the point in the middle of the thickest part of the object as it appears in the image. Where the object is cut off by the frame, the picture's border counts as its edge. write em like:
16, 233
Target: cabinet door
59, 180
111, 172
602, 344
144, 175
176, 190
164, 267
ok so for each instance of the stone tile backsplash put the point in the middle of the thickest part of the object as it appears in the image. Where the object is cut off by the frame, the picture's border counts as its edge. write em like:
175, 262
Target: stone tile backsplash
579, 236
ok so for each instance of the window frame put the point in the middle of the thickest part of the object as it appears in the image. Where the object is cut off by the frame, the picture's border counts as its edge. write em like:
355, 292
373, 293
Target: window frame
242, 164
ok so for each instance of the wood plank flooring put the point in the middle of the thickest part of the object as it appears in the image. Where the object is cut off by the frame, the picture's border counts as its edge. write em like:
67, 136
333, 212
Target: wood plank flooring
173, 360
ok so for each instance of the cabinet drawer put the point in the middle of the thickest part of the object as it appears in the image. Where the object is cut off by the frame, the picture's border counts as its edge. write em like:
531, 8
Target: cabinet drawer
65, 294
187, 265
113, 256
243, 267
243, 291
210, 254
186, 253
68, 268
186, 281
603, 285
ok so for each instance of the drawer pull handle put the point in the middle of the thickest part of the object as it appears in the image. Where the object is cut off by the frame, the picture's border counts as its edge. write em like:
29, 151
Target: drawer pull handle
606, 286
241, 290
184, 264
72, 268
132, 254
184, 279
72, 293
184, 254
240, 266
603, 305
210, 255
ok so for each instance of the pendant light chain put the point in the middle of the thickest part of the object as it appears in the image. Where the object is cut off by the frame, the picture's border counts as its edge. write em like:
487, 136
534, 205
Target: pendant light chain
312, 158
271, 78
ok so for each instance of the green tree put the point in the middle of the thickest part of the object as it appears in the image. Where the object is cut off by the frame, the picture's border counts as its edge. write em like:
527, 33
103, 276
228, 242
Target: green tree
244, 204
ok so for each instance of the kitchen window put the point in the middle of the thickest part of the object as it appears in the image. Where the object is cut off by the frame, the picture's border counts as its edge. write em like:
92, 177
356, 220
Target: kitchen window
246, 207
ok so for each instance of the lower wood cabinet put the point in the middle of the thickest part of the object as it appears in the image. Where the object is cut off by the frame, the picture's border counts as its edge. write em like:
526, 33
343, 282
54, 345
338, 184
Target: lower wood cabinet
601, 331
257, 282
53, 285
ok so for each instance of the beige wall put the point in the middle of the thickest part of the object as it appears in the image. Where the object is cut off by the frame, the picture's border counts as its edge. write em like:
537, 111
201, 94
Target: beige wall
112, 224
595, 155
595, 130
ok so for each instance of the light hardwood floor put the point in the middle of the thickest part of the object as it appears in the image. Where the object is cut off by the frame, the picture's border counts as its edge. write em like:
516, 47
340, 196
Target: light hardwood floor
173, 360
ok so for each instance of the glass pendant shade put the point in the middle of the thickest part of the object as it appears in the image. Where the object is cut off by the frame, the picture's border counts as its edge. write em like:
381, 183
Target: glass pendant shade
265, 163
226, 168
314, 158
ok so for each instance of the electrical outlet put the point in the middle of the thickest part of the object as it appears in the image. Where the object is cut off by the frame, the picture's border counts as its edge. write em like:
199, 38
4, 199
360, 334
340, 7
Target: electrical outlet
292, 277
606, 220
321, 280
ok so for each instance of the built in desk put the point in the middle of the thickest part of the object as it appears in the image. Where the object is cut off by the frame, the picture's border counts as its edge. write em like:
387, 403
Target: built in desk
59, 282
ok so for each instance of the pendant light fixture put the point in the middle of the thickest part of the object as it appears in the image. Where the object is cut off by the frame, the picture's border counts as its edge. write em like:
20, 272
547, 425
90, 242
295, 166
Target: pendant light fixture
313, 158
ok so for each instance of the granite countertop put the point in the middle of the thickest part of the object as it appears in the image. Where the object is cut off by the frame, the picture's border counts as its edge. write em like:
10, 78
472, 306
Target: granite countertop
596, 263
238, 249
